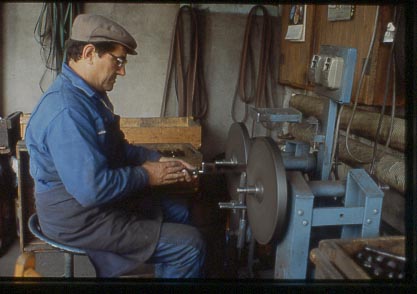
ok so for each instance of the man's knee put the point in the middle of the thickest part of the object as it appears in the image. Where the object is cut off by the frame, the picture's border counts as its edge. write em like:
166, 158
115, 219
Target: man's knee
183, 234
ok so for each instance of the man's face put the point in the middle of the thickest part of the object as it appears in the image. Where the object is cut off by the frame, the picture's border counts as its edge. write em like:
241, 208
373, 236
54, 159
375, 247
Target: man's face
107, 69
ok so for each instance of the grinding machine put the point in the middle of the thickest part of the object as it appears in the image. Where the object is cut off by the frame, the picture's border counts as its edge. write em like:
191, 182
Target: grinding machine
278, 194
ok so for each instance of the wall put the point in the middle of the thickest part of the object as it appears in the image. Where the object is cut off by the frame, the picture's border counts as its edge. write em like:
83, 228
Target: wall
140, 92
21, 63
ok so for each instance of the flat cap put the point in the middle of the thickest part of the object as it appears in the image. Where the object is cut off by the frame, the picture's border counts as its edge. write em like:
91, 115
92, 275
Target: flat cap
97, 28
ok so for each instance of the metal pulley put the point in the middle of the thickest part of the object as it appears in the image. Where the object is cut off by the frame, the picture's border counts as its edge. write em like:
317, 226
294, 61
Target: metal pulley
266, 190
238, 145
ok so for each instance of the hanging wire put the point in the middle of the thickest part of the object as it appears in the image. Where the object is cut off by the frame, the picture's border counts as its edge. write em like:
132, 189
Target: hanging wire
52, 28
334, 155
378, 132
365, 65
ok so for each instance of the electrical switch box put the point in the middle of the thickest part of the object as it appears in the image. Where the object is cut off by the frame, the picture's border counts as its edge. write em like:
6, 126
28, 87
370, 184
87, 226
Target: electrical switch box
331, 72
316, 66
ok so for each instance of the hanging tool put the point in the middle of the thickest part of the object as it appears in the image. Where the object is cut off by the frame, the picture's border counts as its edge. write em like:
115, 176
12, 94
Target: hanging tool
189, 80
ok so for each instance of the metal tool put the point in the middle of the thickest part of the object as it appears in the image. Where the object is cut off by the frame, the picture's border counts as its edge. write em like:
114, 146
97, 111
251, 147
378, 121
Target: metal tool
381, 264
218, 167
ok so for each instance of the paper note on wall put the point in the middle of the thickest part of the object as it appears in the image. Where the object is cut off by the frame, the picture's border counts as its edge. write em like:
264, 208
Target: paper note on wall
296, 25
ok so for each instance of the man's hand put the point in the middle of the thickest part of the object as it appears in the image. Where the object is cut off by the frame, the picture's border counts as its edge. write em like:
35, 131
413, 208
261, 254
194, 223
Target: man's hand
167, 171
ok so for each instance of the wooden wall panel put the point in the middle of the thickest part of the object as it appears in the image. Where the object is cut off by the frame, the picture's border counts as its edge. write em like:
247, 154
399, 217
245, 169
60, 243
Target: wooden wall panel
295, 56
356, 33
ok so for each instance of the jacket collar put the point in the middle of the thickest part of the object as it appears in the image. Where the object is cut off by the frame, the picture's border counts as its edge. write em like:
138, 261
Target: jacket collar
79, 83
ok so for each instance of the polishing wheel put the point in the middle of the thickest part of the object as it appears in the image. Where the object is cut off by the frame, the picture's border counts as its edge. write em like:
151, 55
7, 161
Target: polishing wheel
266, 190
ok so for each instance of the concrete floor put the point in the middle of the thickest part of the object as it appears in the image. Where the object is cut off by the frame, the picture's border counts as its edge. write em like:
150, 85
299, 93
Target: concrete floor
47, 264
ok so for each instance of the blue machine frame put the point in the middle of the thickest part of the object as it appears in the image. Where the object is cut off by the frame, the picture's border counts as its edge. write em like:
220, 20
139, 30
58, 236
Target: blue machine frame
360, 214
359, 217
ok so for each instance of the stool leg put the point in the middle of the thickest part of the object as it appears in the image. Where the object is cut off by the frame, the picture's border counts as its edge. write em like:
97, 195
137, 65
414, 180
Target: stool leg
69, 265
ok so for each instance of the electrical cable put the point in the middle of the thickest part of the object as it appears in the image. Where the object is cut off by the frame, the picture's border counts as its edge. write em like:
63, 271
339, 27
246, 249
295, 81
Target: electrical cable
365, 65
334, 154
388, 75
394, 94
52, 28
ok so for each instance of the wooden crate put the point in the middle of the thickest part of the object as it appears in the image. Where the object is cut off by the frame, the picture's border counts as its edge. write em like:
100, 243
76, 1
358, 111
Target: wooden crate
333, 259
162, 130
151, 130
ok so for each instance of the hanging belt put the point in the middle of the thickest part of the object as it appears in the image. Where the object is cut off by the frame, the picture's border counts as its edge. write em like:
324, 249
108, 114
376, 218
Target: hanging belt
190, 89
259, 95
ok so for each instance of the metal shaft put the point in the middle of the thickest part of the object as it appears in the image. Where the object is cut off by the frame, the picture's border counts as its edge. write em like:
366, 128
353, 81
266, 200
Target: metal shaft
304, 163
327, 188
231, 205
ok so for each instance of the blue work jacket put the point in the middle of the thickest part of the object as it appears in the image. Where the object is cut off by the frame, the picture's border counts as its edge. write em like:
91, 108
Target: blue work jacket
68, 141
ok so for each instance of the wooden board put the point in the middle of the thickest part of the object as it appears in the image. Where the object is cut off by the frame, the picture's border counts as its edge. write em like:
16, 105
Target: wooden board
161, 130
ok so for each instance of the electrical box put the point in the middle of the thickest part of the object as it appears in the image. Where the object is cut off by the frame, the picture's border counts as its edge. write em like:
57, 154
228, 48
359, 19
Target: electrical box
315, 68
332, 72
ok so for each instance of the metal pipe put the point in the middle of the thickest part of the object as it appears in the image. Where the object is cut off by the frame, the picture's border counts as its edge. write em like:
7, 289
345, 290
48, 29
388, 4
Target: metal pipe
305, 163
231, 205
69, 265
327, 188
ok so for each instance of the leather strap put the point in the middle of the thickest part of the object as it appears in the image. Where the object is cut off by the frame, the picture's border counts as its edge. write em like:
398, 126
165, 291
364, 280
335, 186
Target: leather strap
190, 87
252, 87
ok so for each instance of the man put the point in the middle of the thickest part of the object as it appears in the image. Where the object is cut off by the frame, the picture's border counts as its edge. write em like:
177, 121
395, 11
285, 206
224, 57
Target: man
87, 175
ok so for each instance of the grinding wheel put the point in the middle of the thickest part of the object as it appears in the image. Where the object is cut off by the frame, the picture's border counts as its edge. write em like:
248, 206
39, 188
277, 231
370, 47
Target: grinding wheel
237, 150
267, 207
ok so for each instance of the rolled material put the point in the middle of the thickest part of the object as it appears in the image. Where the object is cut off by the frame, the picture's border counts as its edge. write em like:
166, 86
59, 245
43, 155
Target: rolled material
389, 169
364, 123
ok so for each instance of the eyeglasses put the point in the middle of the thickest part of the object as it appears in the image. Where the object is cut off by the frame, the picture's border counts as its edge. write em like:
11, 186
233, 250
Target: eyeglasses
120, 61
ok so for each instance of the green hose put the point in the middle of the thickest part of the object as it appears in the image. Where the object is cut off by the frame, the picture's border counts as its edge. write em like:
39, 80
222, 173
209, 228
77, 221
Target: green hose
52, 28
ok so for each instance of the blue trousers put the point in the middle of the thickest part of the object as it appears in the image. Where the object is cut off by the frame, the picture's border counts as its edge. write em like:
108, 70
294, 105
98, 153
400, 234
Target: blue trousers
180, 252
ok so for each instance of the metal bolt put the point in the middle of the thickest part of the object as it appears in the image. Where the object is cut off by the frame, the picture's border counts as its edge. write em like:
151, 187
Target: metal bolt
305, 222
368, 221
300, 212
376, 211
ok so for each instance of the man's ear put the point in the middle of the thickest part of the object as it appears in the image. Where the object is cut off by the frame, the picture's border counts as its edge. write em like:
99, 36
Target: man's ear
88, 53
